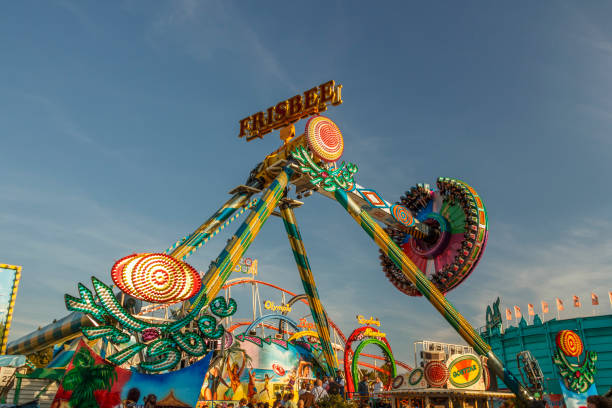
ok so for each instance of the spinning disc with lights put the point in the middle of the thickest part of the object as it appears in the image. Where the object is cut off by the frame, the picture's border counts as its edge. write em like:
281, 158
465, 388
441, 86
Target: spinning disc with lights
457, 216
324, 139
156, 278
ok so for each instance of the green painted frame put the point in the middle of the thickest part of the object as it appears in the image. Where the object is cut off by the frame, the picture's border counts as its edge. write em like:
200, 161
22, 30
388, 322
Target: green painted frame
384, 348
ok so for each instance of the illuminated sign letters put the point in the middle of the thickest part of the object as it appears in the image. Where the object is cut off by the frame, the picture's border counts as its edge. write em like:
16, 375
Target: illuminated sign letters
372, 321
277, 308
373, 333
305, 324
313, 101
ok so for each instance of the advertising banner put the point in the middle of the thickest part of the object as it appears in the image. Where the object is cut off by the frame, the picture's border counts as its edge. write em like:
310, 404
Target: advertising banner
257, 369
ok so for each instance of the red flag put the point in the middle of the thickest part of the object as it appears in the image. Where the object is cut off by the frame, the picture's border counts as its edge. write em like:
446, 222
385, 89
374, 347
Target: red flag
544, 307
560, 305
610, 296
576, 301
594, 299
509, 312
517, 312
530, 309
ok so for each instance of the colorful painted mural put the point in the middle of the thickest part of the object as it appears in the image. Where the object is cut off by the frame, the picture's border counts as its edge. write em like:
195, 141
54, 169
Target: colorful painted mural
574, 399
92, 382
257, 370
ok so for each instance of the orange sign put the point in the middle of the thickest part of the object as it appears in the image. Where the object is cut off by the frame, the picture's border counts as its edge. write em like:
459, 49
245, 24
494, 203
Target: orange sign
306, 324
313, 101
465, 371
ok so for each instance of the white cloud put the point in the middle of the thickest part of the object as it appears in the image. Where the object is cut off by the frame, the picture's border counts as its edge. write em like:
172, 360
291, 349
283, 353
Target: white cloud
203, 28
61, 119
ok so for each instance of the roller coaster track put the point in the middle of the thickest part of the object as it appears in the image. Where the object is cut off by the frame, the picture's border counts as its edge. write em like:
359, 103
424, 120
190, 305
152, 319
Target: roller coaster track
241, 281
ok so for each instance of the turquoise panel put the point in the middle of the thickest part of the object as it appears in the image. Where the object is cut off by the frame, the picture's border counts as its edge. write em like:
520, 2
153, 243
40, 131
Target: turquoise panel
539, 339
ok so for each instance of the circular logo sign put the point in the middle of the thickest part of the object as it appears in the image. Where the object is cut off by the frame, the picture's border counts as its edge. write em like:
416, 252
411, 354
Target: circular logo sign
569, 342
465, 371
324, 138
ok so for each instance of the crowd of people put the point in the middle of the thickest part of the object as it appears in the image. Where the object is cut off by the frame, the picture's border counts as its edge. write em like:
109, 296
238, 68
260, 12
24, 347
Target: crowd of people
370, 394
312, 392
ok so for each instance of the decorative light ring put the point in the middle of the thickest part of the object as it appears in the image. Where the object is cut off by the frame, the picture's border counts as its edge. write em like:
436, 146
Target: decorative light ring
156, 278
324, 139
569, 343
397, 382
402, 214
457, 212
125, 285
415, 379
436, 374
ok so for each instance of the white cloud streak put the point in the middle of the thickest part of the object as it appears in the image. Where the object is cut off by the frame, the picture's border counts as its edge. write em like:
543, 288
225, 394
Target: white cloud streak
203, 28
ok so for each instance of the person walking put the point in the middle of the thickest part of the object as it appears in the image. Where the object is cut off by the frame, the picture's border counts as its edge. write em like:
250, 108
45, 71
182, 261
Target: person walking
319, 392
363, 391
340, 381
288, 400
376, 390
304, 388
307, 397
326, 384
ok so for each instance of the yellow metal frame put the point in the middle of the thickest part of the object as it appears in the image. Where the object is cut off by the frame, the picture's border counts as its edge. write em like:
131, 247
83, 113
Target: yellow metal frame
9, 313
301, 334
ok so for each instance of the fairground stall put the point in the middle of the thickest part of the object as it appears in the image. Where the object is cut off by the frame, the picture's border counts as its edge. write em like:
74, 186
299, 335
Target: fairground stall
447, 376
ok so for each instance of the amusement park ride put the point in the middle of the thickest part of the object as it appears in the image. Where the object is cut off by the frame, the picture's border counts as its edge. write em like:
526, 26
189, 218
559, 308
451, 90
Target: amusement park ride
431, 241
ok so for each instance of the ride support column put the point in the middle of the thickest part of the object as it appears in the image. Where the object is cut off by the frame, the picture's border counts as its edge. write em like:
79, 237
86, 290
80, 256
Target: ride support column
186, 246
222, 267
316, 308
430, 292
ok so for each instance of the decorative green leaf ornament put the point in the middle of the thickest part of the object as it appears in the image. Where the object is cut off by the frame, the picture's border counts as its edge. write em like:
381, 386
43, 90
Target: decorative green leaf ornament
577, 377
330, 179
164, 343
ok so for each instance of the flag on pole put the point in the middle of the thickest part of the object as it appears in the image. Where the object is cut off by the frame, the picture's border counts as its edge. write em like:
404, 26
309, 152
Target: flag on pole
560, 304
530, 309
576, 301
544, 307
517, 312
610, 296
594, 299
508, 314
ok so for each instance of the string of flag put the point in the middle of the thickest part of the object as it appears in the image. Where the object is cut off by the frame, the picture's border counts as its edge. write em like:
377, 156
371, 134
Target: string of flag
544, 306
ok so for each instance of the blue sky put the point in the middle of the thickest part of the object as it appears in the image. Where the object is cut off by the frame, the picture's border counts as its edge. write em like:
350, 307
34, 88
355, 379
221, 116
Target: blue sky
119, 126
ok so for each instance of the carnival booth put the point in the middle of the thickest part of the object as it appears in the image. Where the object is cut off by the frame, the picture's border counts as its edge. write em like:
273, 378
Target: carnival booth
447, 376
